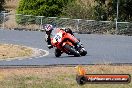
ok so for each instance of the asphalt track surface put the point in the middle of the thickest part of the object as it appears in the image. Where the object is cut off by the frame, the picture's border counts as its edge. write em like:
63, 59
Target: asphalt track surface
102, 49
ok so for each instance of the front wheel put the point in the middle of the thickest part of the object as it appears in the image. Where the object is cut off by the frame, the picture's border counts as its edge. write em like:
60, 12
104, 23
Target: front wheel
57, 53
71, 50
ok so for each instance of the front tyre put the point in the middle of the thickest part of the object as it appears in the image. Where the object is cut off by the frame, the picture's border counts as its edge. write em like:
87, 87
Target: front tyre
71, 50
57, 53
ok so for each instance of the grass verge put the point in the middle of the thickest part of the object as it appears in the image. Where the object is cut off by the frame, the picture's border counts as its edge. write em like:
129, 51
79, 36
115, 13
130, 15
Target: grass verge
12, 51
57, 77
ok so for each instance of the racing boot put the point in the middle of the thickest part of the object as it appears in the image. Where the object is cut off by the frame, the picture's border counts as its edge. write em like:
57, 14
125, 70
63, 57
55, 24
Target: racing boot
50, 46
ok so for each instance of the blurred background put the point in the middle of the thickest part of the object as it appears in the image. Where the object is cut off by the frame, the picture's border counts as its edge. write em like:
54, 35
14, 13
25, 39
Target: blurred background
82, 16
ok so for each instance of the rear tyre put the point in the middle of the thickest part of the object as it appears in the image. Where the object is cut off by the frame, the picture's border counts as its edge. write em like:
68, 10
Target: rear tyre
57, 53
71, 50
84, 52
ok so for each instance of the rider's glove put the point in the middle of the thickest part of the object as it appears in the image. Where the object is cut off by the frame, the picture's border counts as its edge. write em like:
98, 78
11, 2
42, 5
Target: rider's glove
50, 46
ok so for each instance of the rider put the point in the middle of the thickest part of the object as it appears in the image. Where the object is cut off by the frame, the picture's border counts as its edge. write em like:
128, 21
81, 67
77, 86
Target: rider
49, 28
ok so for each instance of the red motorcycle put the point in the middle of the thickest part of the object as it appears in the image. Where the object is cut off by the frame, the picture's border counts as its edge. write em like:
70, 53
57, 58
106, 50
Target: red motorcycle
64, 43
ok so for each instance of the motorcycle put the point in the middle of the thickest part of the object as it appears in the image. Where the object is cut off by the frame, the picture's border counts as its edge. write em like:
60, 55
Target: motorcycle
63, 42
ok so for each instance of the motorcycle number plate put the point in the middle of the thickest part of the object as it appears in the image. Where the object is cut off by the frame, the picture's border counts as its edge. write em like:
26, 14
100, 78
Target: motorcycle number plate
57, 37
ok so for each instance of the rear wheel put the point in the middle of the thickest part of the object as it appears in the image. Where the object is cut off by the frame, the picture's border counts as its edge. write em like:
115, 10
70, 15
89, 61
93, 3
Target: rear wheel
83, 52
71, 50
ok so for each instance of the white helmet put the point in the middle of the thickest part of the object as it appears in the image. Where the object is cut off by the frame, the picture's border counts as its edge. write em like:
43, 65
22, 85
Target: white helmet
48, 27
